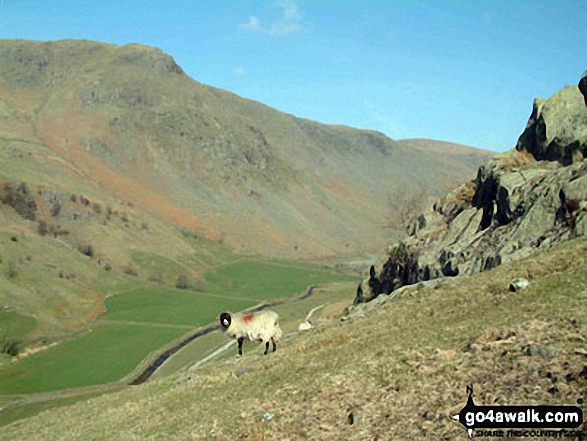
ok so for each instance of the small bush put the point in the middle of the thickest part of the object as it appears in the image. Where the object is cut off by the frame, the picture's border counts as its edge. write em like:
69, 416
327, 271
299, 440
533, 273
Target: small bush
87, 250
9, 346
97, 208
58, 231
131, 270
43, 229
56, 209
182, 282
156, 276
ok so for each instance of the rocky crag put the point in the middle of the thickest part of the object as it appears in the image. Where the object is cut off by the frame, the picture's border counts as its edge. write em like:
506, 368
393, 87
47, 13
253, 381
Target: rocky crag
532, 197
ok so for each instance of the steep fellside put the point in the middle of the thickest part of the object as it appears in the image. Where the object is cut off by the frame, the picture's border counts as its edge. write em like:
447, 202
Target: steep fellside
130, 122
532, 197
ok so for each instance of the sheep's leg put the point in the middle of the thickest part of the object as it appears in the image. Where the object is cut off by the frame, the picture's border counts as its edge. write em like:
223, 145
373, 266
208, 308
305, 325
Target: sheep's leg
266, 347
274, 345
240, 345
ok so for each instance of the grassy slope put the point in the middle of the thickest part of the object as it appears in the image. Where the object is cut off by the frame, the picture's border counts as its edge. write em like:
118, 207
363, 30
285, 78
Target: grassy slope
402, 370
47, 278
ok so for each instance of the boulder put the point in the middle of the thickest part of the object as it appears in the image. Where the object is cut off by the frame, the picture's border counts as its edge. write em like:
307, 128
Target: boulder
519, 284
557, 128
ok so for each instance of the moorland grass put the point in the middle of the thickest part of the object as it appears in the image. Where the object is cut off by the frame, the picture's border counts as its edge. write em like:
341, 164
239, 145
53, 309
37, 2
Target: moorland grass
11, 414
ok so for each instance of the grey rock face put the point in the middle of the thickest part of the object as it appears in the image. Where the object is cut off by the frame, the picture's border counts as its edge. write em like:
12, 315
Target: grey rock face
532, 197
557, 128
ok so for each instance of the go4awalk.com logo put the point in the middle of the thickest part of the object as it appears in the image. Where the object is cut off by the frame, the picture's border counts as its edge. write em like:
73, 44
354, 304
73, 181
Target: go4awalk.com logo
520, 421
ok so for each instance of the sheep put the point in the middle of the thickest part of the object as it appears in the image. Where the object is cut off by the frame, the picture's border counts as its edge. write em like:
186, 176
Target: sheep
252, 326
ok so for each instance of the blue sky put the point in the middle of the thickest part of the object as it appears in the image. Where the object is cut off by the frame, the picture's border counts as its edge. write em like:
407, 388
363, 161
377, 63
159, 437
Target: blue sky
460, 71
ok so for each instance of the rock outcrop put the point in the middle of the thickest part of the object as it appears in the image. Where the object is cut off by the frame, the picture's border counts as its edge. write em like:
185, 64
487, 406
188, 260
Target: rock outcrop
531, 197
583, 86
557, 128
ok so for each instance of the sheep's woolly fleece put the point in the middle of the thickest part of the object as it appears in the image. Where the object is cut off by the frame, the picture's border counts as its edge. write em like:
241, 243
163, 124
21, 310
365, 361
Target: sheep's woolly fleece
252, 326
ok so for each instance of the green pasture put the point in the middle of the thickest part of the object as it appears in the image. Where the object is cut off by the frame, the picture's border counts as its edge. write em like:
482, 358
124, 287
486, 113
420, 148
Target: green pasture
267, 280
102, 354
15, 326
134, 325
170, 306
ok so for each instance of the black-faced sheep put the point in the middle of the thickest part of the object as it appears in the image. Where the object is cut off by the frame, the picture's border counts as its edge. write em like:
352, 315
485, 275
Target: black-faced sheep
252, 326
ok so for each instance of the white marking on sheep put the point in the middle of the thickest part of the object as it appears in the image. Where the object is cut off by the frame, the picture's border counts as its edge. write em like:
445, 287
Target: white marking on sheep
252, 326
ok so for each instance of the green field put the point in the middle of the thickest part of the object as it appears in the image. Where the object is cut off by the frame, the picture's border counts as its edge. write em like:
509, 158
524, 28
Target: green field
170, 306
266, 280
15, 325
105, 353
145, 320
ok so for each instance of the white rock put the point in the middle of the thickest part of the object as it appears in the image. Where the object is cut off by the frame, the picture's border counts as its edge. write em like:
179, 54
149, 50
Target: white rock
304, 326
518, 284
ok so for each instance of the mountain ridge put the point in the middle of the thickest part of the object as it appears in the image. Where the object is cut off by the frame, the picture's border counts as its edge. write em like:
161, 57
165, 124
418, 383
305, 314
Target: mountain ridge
129, 116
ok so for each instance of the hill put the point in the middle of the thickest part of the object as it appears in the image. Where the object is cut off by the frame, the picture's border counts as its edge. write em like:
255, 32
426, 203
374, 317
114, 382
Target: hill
118, 171
127, 121
399, 370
